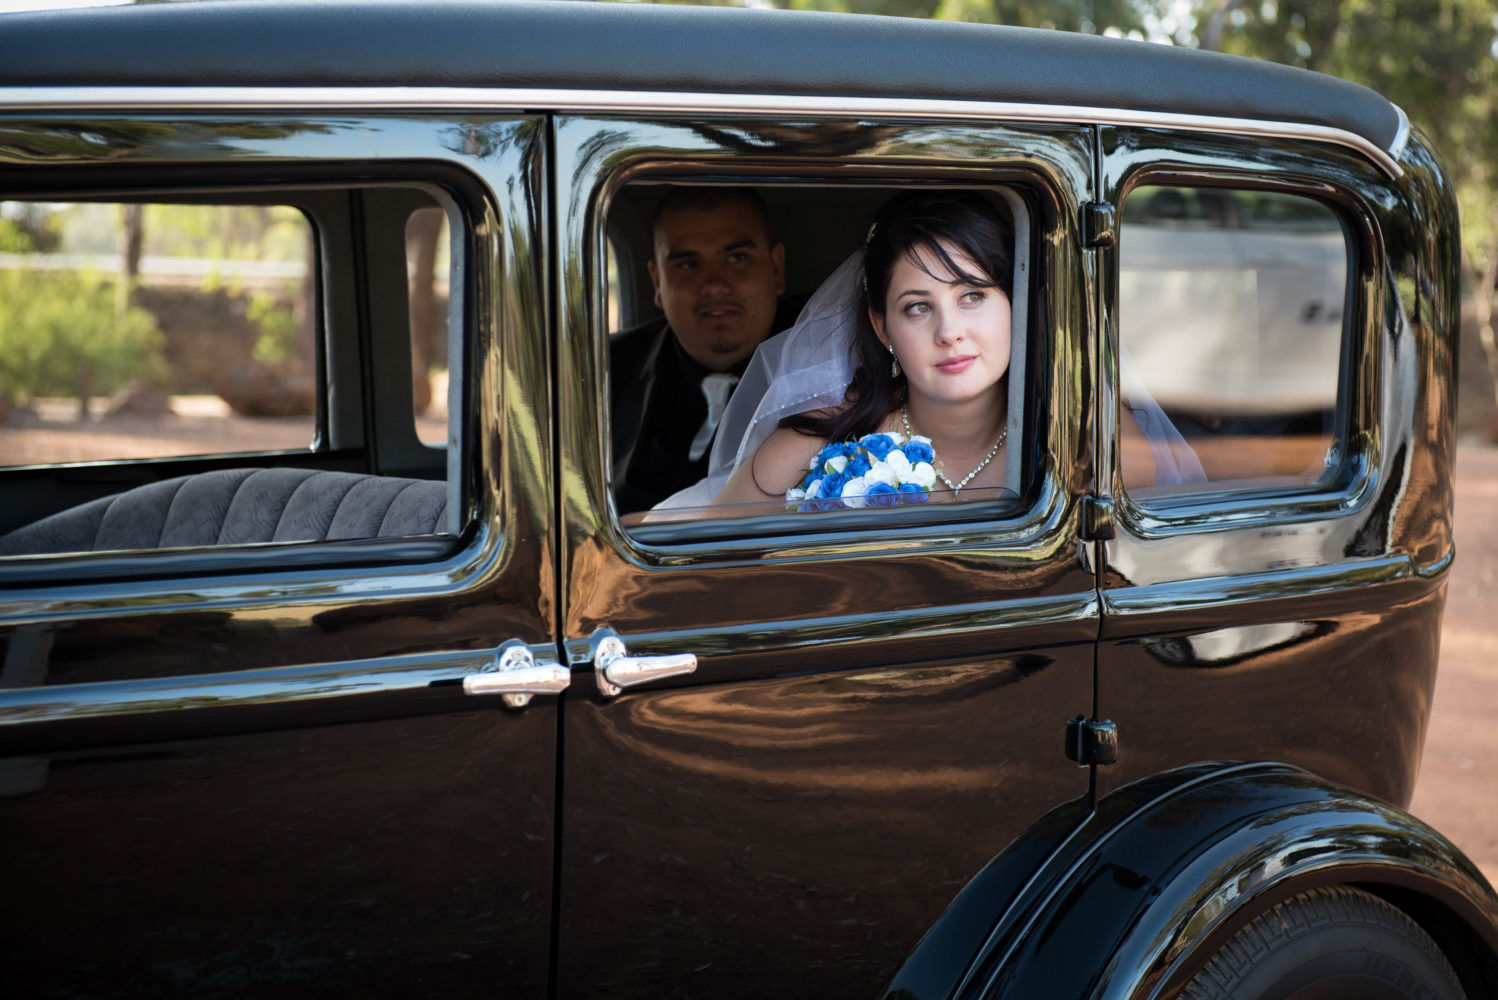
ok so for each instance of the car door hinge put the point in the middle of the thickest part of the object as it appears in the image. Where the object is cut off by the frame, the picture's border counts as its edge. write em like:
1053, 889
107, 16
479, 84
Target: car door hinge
1091, 741
1099, 225
1098, 521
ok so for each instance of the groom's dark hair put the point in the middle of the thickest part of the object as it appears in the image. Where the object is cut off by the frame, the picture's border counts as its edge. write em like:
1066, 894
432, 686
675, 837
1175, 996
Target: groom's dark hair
707, 198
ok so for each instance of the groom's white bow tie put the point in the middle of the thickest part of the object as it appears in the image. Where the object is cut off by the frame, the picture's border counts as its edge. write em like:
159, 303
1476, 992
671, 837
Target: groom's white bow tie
716, 387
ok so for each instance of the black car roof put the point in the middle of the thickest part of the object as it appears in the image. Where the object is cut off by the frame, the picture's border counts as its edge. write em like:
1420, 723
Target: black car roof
611, 47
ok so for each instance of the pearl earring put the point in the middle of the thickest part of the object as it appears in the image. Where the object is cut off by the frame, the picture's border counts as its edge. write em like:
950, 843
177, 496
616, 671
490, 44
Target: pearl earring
894, 363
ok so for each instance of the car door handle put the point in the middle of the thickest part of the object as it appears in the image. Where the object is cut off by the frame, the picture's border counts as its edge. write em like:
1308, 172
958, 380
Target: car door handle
616, 669
515, 674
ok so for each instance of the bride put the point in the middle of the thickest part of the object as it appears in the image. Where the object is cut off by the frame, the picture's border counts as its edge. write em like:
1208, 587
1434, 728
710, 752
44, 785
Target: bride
923, 414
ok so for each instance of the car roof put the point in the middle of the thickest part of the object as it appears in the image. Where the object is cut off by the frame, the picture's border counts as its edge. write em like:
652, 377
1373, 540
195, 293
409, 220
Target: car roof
583, 46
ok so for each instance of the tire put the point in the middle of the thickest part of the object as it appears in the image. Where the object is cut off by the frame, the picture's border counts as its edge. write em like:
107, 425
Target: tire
1334, 943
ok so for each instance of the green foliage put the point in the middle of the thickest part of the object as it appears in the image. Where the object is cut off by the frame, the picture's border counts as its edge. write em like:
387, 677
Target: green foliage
63, 333
278, 328
14, 239
1092, 16
26, 228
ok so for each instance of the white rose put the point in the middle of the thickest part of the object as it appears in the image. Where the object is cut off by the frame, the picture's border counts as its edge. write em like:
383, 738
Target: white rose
853, 491
814, 491
922, 475
795, 493
899, 465
882, 473
837, 463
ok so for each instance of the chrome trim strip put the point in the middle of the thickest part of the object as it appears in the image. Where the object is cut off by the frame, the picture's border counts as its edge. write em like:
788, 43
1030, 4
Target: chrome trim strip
1184, 597
1401, 135
649, 102
113, 700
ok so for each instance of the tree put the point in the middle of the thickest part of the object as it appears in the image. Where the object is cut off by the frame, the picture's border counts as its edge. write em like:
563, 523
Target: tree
1092, 16
62, 334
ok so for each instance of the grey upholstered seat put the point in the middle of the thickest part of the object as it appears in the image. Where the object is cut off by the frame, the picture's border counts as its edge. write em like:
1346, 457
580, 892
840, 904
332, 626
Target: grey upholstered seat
240, 507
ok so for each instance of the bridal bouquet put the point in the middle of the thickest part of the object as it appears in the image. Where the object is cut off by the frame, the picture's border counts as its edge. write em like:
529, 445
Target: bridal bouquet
877, 470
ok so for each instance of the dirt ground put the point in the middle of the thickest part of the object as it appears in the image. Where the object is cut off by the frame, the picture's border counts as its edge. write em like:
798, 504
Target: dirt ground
1459, 772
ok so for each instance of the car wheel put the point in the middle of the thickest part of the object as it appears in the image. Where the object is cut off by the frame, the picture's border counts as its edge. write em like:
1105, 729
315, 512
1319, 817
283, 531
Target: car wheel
1334, 943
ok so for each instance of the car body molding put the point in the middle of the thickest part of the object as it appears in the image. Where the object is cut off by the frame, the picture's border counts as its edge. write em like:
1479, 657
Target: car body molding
210, 98
1141, 892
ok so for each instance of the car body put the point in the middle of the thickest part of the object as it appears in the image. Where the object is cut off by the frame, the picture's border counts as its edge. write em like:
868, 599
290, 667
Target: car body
1064, 747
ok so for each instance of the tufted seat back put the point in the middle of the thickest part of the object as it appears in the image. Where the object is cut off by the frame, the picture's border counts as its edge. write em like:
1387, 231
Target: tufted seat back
240, 507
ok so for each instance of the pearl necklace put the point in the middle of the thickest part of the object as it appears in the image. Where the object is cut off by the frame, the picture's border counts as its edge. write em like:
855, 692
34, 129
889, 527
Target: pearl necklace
956, 488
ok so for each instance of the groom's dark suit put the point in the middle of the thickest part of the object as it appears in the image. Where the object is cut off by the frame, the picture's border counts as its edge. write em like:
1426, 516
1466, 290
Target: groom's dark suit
658, 407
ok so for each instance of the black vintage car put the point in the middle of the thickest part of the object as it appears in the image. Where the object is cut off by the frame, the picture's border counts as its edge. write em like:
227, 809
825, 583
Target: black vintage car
370, 703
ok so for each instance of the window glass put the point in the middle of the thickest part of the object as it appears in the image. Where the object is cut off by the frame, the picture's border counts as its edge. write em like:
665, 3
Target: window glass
737, 265
160, 367
427, 266
1230, 320
151, 330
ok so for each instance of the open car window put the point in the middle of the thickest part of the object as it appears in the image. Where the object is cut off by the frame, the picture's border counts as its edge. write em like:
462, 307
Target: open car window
820, 226
199, 370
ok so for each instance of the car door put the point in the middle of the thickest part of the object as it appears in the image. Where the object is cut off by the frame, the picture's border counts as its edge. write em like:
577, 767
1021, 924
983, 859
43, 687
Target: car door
311, 767
877, 707
1284, 598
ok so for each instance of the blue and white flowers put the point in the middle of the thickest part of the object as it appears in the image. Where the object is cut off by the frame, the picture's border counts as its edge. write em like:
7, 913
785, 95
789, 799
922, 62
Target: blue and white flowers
877, 470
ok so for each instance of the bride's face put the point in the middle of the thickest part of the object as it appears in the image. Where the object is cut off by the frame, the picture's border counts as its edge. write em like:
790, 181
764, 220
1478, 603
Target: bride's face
952, 338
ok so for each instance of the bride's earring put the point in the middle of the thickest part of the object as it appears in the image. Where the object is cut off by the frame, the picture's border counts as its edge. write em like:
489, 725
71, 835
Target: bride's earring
894, 363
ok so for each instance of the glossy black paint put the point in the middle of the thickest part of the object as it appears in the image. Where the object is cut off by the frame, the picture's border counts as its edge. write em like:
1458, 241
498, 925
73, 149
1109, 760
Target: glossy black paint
1216, 611
230, 773
1130, 903
1169, 869
872, 713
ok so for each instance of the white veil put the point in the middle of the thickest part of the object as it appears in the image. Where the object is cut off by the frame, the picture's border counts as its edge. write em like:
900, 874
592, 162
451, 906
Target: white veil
805, 367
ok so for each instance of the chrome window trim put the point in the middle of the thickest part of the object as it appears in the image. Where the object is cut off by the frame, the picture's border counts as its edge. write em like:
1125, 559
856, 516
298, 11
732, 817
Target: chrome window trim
1401, 135
158, 99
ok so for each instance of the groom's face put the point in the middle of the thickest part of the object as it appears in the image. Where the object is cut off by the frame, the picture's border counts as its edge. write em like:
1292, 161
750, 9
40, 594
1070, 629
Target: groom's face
717, 276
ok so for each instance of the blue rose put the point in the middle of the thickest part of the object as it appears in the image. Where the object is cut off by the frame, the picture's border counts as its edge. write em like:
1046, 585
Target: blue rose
858, 464
824, 456
918, 452
878, 445
913, 493
881, 495
832, 485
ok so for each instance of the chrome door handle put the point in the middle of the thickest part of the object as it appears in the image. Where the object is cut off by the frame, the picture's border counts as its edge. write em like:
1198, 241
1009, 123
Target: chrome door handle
515, 674
616, 669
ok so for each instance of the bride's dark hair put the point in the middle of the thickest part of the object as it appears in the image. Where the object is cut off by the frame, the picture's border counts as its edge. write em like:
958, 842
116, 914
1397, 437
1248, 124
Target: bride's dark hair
908, 223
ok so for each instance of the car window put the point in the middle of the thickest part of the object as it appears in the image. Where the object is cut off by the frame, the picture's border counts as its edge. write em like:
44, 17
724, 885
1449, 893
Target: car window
180, 374
1230, 319
132, 330
427, 264
672, 441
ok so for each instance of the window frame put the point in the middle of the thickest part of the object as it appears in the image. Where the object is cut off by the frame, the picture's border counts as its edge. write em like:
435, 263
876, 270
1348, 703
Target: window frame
316, 186
701, 537
1355, 428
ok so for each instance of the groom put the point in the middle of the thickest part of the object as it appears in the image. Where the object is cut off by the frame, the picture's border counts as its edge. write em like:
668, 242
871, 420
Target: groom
718, 275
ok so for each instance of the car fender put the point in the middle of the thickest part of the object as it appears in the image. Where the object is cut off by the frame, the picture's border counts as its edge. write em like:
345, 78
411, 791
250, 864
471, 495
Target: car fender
1147, 886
